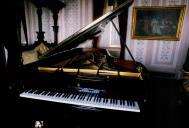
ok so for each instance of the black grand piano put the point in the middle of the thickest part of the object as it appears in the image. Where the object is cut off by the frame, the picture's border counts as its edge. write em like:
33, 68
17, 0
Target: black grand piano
73, 87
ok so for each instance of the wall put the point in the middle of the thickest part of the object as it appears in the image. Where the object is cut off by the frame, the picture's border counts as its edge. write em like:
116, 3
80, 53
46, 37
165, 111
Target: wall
160, 55
76, 14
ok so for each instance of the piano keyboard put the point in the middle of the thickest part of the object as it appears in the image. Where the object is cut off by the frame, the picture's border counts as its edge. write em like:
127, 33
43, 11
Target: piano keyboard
84, 99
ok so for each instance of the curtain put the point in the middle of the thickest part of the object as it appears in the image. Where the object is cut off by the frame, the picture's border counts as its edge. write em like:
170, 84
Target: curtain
110, 38
75, 15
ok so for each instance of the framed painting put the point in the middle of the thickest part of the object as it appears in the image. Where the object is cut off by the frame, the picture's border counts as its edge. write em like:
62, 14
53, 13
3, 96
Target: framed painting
157, 23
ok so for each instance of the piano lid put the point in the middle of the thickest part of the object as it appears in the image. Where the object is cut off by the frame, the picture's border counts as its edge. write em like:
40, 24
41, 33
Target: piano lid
67, 46
87, 32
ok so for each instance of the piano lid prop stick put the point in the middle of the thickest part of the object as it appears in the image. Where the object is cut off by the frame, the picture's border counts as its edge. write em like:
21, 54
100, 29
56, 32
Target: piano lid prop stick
91, 72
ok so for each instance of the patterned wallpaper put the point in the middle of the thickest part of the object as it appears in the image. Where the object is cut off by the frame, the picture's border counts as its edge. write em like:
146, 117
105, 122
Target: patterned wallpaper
160, 55
76, 14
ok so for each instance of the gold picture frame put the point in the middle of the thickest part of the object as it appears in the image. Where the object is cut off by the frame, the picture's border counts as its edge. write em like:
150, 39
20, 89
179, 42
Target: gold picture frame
157, 23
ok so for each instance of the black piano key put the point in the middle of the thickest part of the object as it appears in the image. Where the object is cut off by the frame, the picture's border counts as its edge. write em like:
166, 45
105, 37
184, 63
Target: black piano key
72, 97
49, 94
133, 103
123, 102
104, 100
38, 92
43, 92
97, 99
27, 90
35, 92
115, 101
94, 98
46, 92
128, 103
32, 91
81, 96
111, 101
89, 97
84, 96
59, 94
75, 96
53, 93
63, 95
120, 102
78, 97
100, 99
68, 95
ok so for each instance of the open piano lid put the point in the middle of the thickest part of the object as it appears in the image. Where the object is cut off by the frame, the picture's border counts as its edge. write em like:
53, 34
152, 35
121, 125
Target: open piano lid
87, 32
67, 46
80, 36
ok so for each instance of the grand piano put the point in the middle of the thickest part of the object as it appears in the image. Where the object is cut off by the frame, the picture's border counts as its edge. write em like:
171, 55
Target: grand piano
83, 84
